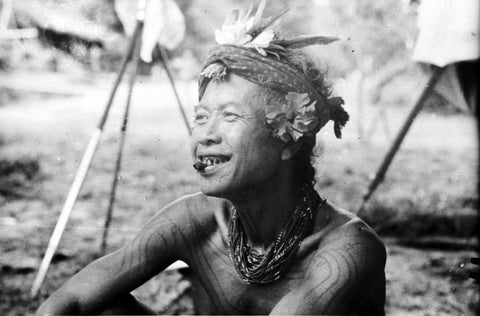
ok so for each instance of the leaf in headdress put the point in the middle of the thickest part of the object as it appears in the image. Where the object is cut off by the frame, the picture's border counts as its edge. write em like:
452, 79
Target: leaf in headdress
232, 17
305, 40
274, 53
260, 8
278, 121
262, 24
337, 112
338, 115
278, 53
262, 41
295, 134
297, 100
305, 119
284, 131
246, 20
247, 14
274, 112
337, 129
335, 101
276, 50
276, 47
261, 51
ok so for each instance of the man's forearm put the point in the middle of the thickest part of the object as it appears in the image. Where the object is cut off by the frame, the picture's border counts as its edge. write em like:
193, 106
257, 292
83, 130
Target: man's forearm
81, 294
59, 303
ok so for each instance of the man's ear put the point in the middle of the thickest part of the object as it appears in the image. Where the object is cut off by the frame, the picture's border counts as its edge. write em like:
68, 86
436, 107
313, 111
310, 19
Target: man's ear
291, 149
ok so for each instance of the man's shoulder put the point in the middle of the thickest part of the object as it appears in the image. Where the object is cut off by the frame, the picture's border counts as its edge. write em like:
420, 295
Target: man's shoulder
342, 228
197, 207
345, 267
346, 241
188, 219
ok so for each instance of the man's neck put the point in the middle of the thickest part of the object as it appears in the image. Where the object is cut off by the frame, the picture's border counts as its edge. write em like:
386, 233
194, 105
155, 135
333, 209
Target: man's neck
265, 210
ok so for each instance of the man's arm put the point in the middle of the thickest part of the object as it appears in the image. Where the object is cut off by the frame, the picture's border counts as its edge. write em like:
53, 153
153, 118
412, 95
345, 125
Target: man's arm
159, 244
340, 276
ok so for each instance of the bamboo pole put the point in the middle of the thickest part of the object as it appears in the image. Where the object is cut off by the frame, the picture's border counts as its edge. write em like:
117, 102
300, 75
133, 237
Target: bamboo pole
161, 50
118, 163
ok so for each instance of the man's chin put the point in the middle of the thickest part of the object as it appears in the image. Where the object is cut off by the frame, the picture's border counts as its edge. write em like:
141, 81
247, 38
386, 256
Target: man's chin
212, 191
229, 192
218, 190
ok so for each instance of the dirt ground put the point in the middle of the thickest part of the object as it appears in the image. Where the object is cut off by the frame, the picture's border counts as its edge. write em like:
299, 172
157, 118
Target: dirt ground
42, 139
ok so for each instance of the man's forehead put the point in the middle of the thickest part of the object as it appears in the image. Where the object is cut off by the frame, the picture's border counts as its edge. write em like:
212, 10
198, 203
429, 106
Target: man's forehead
240, 94
217, 105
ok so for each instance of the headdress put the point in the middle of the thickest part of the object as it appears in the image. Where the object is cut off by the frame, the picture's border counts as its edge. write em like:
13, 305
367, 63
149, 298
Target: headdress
249, 48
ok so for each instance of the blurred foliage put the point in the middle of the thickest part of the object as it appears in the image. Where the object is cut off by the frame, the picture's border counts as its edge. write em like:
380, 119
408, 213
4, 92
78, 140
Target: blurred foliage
380, 31
98, 11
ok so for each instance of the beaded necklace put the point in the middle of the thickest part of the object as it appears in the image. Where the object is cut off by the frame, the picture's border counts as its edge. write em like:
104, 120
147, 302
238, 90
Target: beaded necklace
255, 267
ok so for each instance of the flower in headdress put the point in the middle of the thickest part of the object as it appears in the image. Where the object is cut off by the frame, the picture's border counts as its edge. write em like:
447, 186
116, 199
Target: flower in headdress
247, 30
253, 31
294, 118
235, 29
262, 41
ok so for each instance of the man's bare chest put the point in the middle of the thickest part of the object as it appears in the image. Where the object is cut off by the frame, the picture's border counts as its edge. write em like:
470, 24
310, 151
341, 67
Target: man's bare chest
217, 287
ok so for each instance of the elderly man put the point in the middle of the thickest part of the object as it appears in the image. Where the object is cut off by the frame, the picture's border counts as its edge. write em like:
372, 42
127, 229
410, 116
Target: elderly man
258, 238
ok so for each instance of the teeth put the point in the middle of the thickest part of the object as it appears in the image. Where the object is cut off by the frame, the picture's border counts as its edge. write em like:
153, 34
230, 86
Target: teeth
209, 161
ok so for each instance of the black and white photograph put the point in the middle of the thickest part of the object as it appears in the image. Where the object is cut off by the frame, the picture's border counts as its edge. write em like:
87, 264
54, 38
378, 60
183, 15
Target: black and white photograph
239, 157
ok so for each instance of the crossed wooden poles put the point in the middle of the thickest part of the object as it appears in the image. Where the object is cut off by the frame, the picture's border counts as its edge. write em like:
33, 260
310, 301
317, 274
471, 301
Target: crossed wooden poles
131, 56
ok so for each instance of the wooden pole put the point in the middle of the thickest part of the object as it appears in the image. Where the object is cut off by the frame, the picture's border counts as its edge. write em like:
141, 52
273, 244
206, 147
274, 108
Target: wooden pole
84, 164
161, 50
118, 163
401, 135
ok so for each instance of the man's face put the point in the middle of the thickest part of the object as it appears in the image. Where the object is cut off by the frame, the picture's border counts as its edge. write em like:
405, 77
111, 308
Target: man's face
230, 136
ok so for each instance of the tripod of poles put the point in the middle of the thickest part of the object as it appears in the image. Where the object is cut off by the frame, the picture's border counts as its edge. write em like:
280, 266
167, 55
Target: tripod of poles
131, 58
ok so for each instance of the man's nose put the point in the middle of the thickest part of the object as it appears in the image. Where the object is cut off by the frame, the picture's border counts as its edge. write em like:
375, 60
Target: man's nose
211, 133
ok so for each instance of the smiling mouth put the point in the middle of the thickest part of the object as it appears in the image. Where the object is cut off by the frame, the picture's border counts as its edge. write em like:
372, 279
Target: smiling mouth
209, 162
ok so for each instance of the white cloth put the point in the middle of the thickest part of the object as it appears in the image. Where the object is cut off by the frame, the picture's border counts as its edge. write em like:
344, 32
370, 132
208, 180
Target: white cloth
164, 24
448, 31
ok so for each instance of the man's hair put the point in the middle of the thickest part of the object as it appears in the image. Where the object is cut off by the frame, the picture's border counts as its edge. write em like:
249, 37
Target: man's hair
304, 159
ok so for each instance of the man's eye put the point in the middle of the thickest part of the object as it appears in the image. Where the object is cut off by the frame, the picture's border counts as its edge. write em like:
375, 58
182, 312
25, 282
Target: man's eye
200, 118
230, 117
